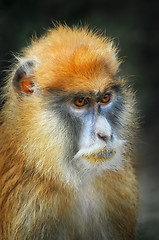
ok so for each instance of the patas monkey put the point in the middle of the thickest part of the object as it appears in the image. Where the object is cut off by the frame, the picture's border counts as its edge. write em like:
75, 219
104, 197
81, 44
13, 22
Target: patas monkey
66, 138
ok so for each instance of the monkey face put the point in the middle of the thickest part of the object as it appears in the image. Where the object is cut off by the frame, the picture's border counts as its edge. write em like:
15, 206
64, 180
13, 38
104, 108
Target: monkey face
92, 120
97, 138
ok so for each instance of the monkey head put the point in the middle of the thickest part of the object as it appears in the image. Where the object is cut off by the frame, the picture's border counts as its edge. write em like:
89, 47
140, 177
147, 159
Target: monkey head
71, 104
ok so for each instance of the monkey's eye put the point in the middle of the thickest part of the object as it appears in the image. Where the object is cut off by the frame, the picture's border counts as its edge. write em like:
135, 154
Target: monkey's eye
106, 98
80, 102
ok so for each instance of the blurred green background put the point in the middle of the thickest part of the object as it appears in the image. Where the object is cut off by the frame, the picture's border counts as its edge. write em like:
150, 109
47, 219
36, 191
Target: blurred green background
134, 27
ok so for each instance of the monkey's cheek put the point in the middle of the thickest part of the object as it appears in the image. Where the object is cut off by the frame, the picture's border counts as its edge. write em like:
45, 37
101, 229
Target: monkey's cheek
102, 157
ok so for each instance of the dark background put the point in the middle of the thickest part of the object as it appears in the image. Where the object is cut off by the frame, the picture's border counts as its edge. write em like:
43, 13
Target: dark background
134, 27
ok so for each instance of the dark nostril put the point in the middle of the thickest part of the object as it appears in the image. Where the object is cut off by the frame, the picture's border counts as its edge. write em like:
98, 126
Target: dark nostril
102, 137
111, 138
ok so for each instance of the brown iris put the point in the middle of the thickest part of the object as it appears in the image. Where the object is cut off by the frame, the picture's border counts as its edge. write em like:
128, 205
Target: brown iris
106, 98
80, 102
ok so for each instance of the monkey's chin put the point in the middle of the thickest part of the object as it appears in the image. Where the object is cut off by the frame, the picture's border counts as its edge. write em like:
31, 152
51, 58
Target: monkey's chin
100, 157
95, 160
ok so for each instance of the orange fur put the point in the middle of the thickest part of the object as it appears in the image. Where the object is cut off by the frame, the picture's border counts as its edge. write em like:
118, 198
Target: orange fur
91, 60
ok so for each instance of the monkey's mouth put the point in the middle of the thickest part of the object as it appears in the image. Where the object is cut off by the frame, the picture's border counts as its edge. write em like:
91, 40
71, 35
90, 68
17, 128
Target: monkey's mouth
99, 157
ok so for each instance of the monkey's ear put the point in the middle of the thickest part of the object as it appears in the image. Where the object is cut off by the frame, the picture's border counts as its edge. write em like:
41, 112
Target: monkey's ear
23, 78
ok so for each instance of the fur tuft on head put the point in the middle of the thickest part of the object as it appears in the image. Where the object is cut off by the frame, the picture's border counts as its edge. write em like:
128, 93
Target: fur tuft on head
70, 59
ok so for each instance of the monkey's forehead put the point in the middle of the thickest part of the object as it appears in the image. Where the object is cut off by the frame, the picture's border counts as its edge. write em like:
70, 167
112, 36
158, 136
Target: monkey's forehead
72, 59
